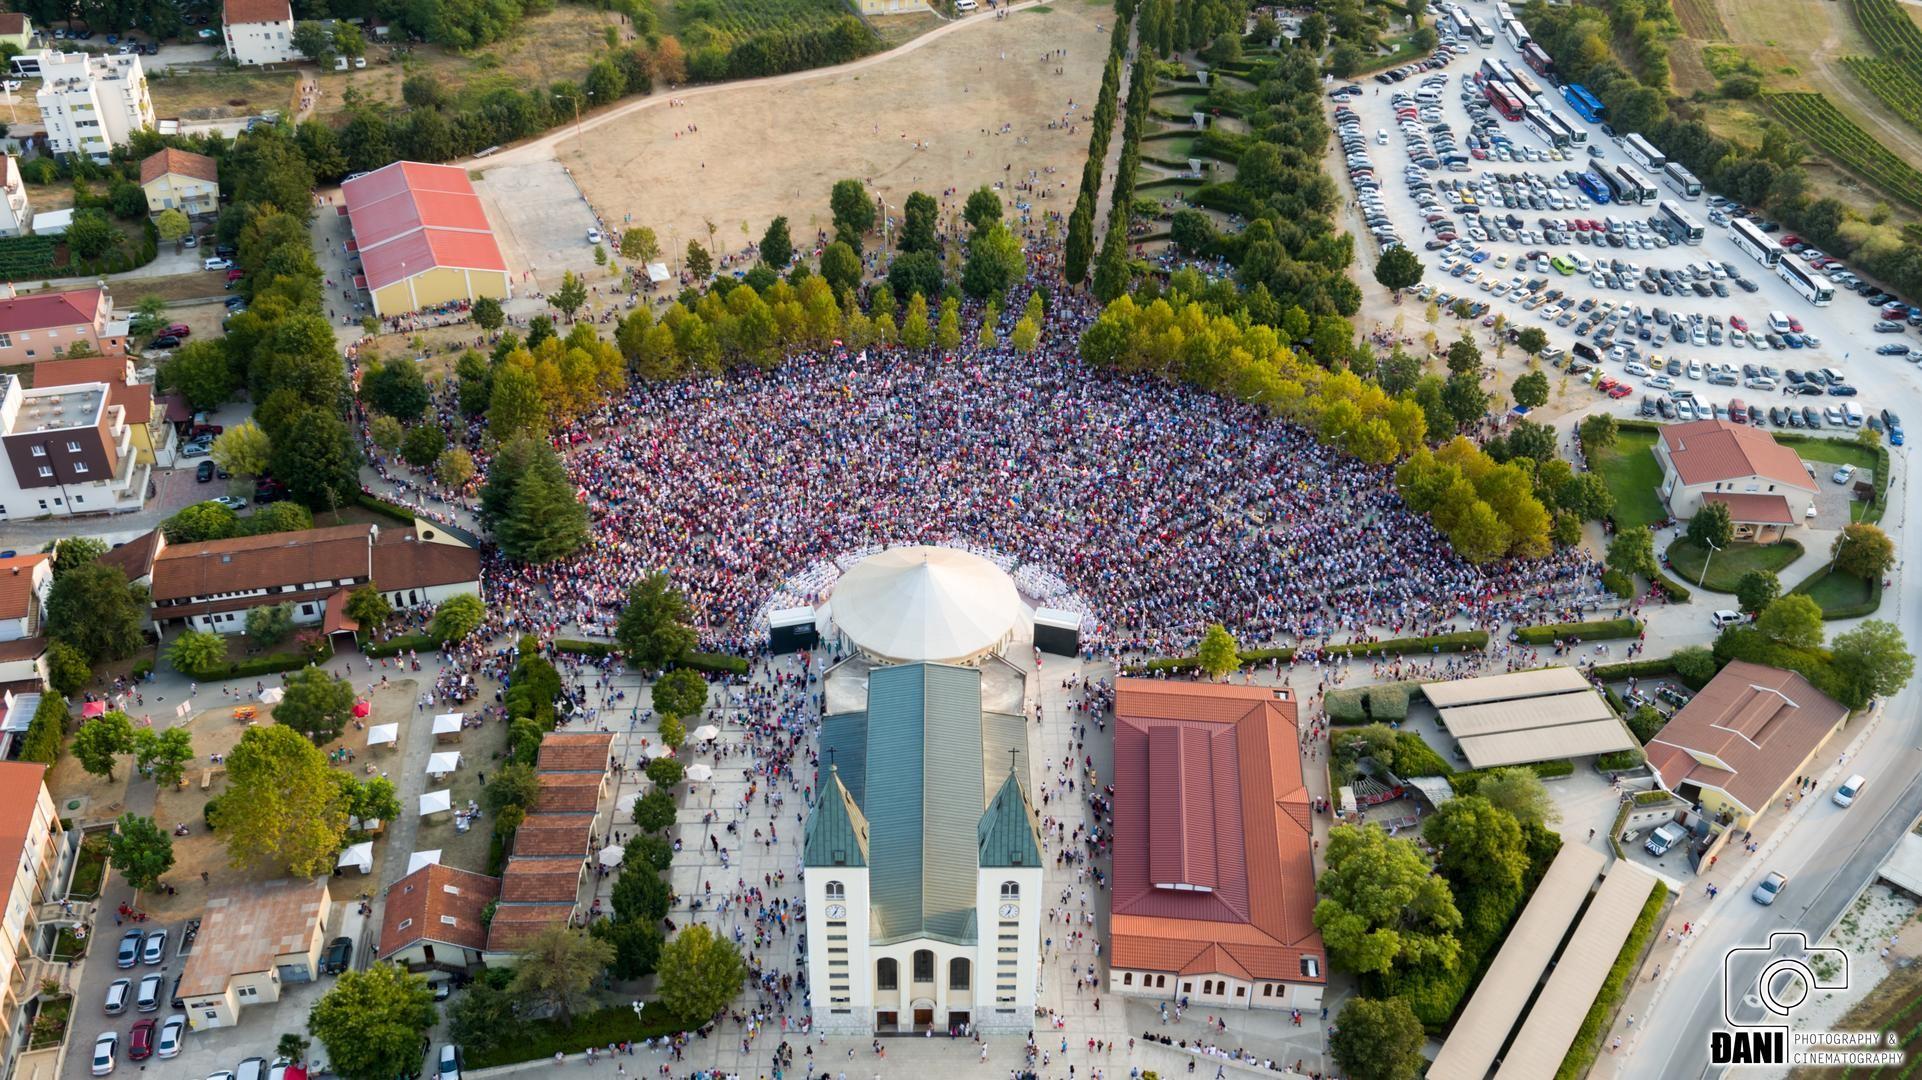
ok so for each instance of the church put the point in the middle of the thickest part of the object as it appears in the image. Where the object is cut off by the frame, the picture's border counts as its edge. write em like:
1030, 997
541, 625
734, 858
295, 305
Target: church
923, 857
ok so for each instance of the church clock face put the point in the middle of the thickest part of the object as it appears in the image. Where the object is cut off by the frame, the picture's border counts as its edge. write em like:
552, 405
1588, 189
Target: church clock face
1010, 911
837, 911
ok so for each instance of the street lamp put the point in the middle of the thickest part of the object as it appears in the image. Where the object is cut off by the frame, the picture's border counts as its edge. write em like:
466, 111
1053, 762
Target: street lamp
1710, 557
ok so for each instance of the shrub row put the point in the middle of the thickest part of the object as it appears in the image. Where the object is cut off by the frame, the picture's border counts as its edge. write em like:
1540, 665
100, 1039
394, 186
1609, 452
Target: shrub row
386, 509
1459, 641
715, 663
1588, 1039
396, 645
1466, 783
1366, 704
1596, 630
1621, 761
535, 1040
261, 665
1844, 611
596, 649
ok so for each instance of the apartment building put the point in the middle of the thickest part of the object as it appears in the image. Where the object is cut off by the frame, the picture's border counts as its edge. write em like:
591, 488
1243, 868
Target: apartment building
259, 32
16, 216
92, 104
30, 853
48, 325
69, 450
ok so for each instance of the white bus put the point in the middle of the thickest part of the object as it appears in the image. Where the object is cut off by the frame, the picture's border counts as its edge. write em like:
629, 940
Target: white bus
1755, 243
1812, 286
1464, 22
1482, 34
1644, 153
1577, 134
1631, 186
1687, 227
1515, 33
1682, 181
1518, 76
1542, 129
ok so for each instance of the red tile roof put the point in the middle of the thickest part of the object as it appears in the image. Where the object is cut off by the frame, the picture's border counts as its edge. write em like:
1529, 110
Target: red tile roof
515, 924
12, 22
256, 11
1707, 451
1753, 509
1213, 865
403, 561
410, 217
16, 587
20, 784
86, 369
541, 881
1760, 722
135, 558
261, 562
568, 793
40, 311
419, 906
180, 162
574, 751
553, 835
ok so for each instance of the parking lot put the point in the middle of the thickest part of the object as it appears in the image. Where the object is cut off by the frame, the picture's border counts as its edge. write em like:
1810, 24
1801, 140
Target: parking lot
1654, 305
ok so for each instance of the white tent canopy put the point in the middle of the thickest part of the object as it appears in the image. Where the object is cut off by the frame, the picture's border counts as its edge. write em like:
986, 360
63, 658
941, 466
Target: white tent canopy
443, 763
436, 802
705, 733
926, 603
359, 855
700, 772
388, 734
612, 854
657, 272
272, 695
447, 723
624, 804
423, 858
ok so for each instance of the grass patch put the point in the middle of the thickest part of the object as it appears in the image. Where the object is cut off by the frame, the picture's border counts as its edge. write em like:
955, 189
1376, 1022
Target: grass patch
1727, 566
1595, 630
1841, 595
1633, 476
1588, 1040
534, 1040
50, 1023
90, 869
68, 947
212, 96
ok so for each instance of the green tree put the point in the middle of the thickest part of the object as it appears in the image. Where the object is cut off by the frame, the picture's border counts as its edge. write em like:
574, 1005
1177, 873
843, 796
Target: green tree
514, 408
47, 731
1218, 654
947, 330
1398, 269
458, 616
1863, 551
982, 208
197, 651
640, 245
665, 772
914, 323
316, 703
654, 811
653, 630
1530, 390
1586, 495
488, 314
422, 445
1480, 845
374, 1022
1532, 340
1794, 620
1026, 336
558, 969
141, 851
1633, 552
841, 266
1711, 527
918, 219
995, 261
482, 1016
293, 1046
397, 388
387, 433
637, 946
243, 449
101, 740
915, 272
75, 551
200, 522
530, 505
163, 755
515, 785
67, 670
318, 460
1378, 1039
700, 973
91, 234
568, 297
1111, 273
699, 263
368, 606
454, 468
376, 799
1598, 433
853, 212
1521, 793
1381, 907
777, 247
171, 225
681, 692
1757, 590
95, 610
673, 732
270, 624
1873, 658
1695, 663
313, 41
282, 806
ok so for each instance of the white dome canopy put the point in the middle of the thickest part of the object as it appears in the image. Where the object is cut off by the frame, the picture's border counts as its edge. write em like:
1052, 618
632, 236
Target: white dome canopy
926, 603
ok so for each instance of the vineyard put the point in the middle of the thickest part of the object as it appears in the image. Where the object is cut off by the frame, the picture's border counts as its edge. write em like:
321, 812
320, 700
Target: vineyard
733, 20
1896, 88
1820, 124
25, 258
1700, 20
1895, 35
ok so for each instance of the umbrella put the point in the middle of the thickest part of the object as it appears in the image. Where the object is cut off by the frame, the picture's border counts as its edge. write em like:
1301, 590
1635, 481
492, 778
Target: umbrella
706, 733
612, 854
362, 708
700, 772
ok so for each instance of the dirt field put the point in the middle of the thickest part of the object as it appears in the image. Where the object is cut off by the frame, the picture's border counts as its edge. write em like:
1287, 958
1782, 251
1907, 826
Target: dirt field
201, 96
928, 119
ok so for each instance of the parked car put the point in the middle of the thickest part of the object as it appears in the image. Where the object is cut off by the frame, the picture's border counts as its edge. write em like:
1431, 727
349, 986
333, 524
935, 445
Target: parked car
231, 502
173, 1031
205, 472
339, 955
147, 998
106, 1050
118, 992
129, 954
1845, 792
1843, 474
140, 1041
1770, 887
154, 949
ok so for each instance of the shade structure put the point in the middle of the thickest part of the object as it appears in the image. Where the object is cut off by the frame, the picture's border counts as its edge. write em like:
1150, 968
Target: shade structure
612, 854
436, 802
423, 858
926, 603
447, 724
443, 763
360, 856
272, 695
362, 707
380, 734
700, 772
705, 733
92, 709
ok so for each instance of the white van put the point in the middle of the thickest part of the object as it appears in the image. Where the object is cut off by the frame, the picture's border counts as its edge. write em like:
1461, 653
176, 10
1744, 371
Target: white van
1662, 839
1852, 414
1778, 322
1725, 618
1845, 794
1429, 97
965, 5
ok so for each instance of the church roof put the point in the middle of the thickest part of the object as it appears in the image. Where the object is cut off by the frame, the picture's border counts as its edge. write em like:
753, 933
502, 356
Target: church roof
837, 830
1007, 830
925, 603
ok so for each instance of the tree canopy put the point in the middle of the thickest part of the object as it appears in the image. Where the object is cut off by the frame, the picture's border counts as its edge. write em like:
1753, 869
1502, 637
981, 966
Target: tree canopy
700, 973
653, 629
142, 851
282, 806
316, 703
1381, 907
374, 1021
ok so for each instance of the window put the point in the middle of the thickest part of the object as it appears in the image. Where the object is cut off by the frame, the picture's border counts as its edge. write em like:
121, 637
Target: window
6, 341
923, 965
72, 447
887, 975
1127, 978
46, 471
39, 451
837, 890
1010, 890
958, 973
79, 467
1268, 990
306, 609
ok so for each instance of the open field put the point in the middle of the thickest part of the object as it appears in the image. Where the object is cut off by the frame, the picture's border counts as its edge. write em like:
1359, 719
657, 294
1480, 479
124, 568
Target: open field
1632, 474
202, 96
935, 116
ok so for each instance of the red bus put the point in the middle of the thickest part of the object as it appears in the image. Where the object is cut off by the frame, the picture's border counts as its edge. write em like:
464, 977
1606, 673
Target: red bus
1506, 101
1535, 58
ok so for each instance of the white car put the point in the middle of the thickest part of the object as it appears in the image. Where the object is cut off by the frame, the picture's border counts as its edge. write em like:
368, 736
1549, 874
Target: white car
1636, 368
231, 502
172, 1032
449, 1068
593, 236
106, 1049
1843, 474
1845, 794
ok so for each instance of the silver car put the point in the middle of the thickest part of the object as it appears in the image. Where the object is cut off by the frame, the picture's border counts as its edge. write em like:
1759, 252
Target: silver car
1770, 887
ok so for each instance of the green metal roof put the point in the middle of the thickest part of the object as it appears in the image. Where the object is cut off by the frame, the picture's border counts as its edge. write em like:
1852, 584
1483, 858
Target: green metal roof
1007, 831
837, 830
844, 745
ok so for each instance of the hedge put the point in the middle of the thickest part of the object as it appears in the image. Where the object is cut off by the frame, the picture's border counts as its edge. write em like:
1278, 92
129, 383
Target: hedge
714, 663
1621, 761
387, 509
1466, 783
1460, 641
578, 647
1843, 611
1366, 704
262, 665
1676, 591
1596, 630
397, 645
1588, 1040
534, 1040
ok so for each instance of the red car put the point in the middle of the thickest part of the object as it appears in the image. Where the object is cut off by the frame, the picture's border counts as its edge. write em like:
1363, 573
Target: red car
1795, 324
1606, 383
236, 274
1620, 390
179, 330
1790, 240
1736, 322
140, 1046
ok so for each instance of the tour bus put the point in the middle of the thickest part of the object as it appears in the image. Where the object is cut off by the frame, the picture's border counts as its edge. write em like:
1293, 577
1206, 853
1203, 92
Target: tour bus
1595, 188
1514, 32
1586, 105
1542, 129
1464, 22
1810, 285
1678, 218
1629, 185
1537, 59
1482, 34
27, 65
1676, 176
1644, 153
1755, 243
1503, 99
1577, 134
1529, 88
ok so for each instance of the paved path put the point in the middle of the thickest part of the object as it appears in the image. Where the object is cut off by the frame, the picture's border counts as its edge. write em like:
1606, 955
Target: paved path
1111, 164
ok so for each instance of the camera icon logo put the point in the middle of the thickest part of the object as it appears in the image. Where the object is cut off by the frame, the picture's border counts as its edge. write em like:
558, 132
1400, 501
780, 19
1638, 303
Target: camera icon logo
1764, 983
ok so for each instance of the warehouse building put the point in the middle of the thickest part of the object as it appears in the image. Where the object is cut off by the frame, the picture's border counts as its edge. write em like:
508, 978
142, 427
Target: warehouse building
423, 238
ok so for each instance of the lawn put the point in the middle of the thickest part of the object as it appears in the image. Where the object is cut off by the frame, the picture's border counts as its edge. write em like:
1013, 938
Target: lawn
226, 94
1633, 476
1840, 595
1728, 565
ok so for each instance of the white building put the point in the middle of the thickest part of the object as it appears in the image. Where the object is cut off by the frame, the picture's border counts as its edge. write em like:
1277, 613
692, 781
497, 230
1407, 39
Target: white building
70, 450
92, 104
16, 217
259, 32
31, 857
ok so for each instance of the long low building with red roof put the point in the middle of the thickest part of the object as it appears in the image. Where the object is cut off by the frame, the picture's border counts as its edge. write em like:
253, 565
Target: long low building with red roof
1214, 874
423, 238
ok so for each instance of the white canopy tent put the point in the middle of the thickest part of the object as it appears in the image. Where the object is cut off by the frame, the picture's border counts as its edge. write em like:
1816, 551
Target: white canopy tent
436, 802
700, 772
705, 733
272, 695
657, 272
443, 763
447, 724
612, 854
383, 735
624, 805
926, 603
360, 856
423, 858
